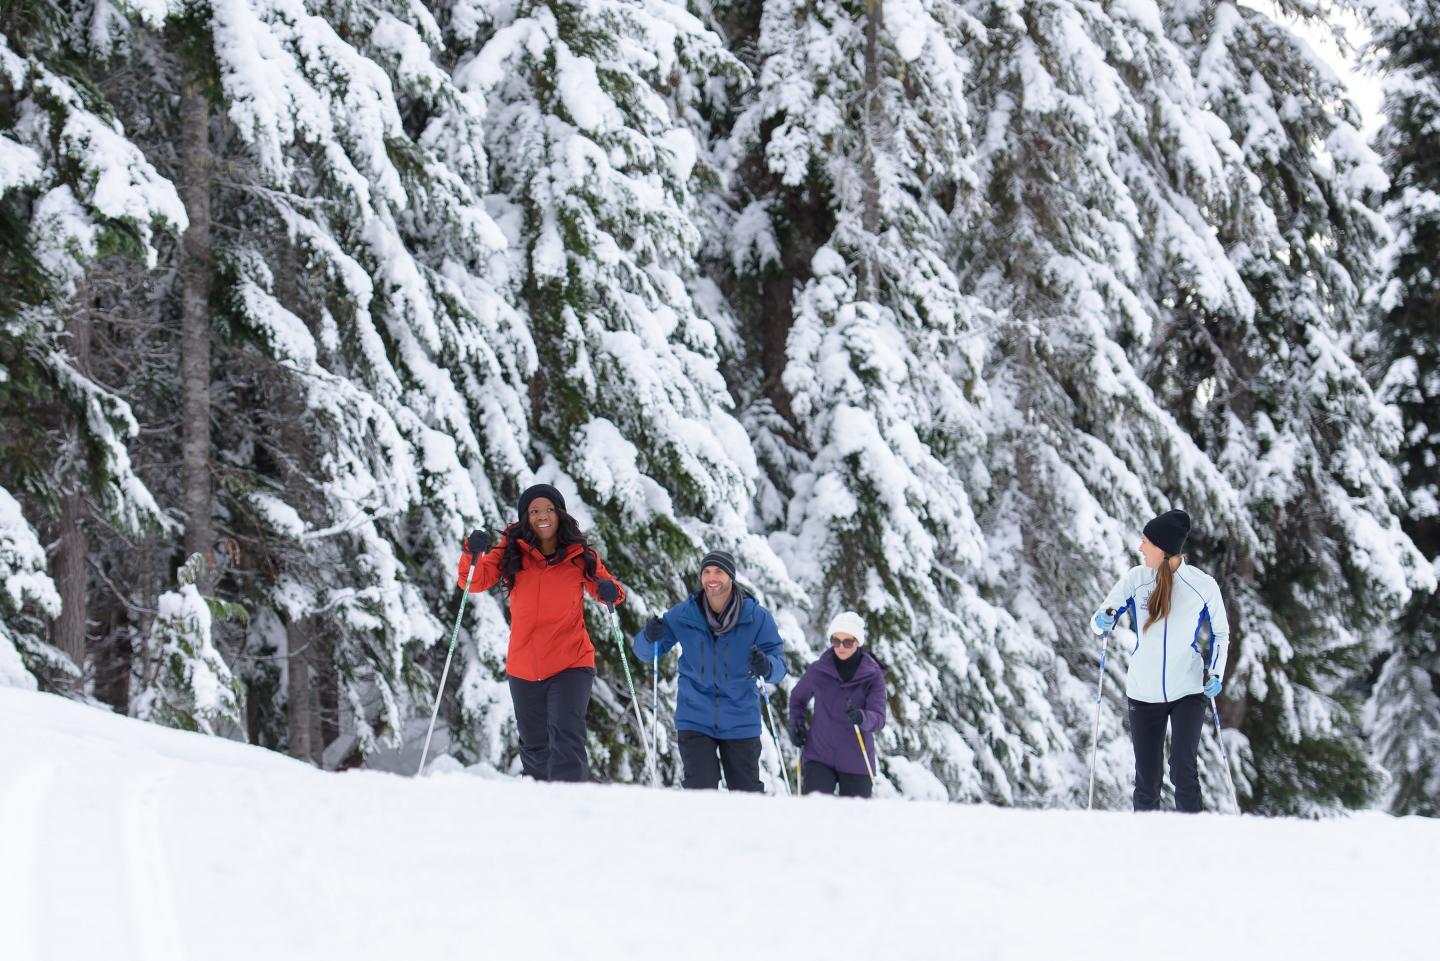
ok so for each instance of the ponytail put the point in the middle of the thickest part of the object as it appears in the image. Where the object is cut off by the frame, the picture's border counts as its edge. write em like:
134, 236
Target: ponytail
1159, 603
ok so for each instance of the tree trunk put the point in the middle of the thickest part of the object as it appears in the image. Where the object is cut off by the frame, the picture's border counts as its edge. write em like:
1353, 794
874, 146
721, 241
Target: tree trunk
311, 662
299, 698
196, 279
114, 659
870, 193
68, 571
121, 627
68, 633
806, 222
327, 683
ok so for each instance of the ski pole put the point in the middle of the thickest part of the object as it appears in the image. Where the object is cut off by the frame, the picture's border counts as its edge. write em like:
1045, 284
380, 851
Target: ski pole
655, 710
864, 754
1099, 693
784, 775
634, 699
1224, 759
799, 777
454, 635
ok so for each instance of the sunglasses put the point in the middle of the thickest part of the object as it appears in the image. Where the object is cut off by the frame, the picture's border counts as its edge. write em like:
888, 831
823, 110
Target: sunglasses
843, 642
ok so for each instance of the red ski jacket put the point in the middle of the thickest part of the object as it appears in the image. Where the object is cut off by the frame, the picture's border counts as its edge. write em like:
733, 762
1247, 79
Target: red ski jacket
547, 621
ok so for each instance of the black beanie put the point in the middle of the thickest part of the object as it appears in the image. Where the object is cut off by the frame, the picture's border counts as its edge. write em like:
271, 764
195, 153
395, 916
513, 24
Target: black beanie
539, 490
721, 559
1168, 531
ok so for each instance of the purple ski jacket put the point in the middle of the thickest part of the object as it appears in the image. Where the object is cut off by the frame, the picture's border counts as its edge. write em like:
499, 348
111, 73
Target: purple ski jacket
831, 740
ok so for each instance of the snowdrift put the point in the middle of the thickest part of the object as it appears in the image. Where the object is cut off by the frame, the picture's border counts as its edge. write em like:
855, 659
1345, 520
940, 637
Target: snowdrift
124, 840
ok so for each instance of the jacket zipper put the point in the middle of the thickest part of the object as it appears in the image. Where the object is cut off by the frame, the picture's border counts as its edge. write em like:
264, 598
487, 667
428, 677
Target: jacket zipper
1164, 658
534, 654
715, 678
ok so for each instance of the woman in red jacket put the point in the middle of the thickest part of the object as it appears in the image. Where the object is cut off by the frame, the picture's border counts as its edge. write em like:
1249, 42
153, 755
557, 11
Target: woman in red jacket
546, 566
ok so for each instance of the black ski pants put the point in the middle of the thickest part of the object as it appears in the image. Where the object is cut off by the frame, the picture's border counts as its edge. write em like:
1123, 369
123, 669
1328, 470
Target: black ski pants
1147, 732
823, 779
703, 756
551, 717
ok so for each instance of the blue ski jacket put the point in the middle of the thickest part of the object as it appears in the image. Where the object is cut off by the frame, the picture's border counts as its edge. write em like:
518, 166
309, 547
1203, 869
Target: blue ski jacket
717, 696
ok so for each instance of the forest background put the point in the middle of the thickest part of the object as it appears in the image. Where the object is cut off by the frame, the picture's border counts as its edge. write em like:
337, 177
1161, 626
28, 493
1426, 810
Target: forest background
922, 307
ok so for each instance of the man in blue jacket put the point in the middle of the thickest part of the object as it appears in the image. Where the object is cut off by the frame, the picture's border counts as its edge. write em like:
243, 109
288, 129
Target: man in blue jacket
727, 640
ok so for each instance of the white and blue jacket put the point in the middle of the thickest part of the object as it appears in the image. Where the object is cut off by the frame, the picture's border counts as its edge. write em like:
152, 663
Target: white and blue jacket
1168, 662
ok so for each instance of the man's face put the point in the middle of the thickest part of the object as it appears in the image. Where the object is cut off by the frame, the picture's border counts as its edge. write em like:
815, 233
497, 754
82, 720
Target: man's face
715, 582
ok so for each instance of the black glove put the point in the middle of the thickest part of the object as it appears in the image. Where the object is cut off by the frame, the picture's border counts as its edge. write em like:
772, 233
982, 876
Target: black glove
607, 591
759, 664
478, 542
655, 629
797, 735
853, 713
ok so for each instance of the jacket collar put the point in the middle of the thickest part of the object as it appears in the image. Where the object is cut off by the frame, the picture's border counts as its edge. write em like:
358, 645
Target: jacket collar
692, 613
533, 552
869, 667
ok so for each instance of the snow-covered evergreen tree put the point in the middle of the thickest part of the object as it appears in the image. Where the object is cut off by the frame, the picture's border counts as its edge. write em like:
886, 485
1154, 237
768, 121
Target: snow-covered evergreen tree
1096, 161
1403, 713
27, 596
365, 372
851, 158
593, 164
1276, 397
192, 687
72, 188
923, 307
384, 365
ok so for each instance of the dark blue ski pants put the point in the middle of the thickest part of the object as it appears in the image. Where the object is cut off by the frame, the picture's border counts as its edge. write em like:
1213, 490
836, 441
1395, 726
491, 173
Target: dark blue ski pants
703, 756
550, 716
1186, 718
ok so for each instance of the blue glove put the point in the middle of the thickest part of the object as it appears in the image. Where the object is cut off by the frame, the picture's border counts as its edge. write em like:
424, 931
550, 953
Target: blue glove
1106, 621
607, 591
1212, 687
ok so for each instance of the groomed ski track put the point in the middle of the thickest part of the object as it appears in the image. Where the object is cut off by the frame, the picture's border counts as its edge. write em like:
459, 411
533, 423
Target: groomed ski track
122, 840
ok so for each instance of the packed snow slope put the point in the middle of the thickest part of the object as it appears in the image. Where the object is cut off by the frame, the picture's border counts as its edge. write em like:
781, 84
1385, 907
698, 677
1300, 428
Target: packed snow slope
123, 840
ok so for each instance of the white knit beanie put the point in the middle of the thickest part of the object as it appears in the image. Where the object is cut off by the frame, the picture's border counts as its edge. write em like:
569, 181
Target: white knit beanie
848, 622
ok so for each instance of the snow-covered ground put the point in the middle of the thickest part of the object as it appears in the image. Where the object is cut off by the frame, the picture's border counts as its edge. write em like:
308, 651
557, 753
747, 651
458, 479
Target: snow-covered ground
122, 840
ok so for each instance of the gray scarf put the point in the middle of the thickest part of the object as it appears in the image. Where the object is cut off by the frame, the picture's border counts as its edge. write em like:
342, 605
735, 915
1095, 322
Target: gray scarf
725, 621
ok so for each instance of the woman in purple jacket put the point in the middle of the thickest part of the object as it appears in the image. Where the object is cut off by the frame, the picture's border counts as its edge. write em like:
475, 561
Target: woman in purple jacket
848, 687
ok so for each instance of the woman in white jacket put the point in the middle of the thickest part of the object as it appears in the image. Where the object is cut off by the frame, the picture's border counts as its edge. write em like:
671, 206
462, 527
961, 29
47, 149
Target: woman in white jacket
1171, 605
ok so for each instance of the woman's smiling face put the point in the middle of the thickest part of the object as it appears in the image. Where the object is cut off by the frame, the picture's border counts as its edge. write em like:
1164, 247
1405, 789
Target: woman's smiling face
543, 518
